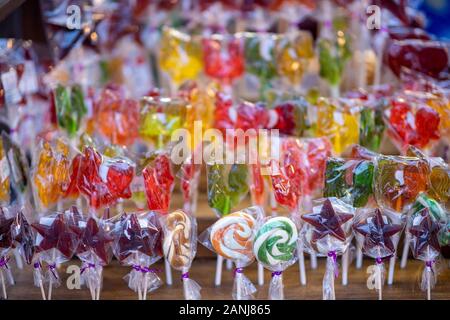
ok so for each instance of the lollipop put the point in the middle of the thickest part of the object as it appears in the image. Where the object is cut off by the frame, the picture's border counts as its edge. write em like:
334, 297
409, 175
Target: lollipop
51, 176
350, 180
260, 57
70, 108
274, 246
137, 241
293, 53
339, 121
223, 58
158, 181
94, 252
189, 175
328, 232
412, 122
179, 248
425, 246
117, 118
372, 126
232, 238
56, 243
377, 231
398, 181
160, 117
6, 244
180, 56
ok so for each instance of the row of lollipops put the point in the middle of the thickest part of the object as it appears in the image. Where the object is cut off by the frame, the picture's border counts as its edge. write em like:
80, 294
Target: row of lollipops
140, 239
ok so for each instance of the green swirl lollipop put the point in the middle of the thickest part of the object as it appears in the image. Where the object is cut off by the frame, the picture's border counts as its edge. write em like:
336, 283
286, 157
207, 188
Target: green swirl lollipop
70, 108
275, 241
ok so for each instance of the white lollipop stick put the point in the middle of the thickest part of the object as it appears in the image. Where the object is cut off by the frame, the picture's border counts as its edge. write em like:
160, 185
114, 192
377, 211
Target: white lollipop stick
301, 264
345, 258
229, 264
359, 257
168, 270
313, 257
391, 270
404, 260
219, 264
260, 274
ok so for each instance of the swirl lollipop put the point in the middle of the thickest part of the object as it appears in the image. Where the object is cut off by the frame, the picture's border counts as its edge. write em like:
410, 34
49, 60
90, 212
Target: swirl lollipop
179, 246
328, 232
231, 237
274, 246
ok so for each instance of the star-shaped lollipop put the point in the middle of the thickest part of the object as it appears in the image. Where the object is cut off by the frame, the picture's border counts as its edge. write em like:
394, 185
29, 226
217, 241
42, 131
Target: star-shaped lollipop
426, 233
96, 240
6, 239
377, 233
130, 237
59, 235
327, 222
23, 235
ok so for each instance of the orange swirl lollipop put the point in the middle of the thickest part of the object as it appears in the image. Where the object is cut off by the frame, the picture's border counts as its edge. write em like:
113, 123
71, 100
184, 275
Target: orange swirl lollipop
232, 236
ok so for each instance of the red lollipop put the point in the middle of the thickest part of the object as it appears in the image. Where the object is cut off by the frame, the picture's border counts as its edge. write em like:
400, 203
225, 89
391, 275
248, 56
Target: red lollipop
158, 182
427, 57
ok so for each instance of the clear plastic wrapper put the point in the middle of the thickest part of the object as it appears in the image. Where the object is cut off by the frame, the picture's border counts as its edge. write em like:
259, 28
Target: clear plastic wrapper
274, 246
328, 232
70, 108
338, 119
227, 186
412, 121
51, 173
116, 117
56, 242
160, 117
137, 243
425, 245
94, 249
232, 237
180, 247
7, 215
375, 233
398, 181
158, 181
350, 180
103, 180
189, 175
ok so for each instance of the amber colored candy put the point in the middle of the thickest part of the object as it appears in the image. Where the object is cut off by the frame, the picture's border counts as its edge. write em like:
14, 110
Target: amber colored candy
293, 55
51, 176
4, 175
398, 181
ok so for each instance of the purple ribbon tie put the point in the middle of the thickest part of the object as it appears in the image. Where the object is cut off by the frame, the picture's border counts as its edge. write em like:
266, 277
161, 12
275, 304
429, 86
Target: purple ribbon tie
276, 273
37, 265
333, 256
87, 266
185, 275
142, 269
4, 262
379, 260
238, 270
52, 268
429, 263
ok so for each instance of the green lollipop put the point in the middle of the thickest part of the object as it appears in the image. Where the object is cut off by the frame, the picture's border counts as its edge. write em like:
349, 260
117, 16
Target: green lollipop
372, 128
224, 195
275, 241
70, 108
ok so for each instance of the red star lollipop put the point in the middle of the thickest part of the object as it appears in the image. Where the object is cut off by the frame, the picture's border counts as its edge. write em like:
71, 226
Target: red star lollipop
425, 237
377, 235
327, 222
58, 235
94, 240
158, 181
